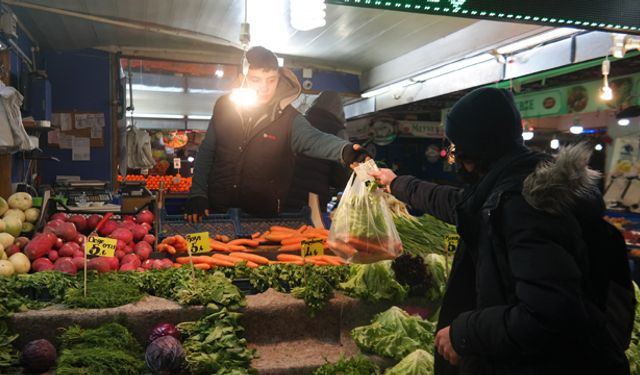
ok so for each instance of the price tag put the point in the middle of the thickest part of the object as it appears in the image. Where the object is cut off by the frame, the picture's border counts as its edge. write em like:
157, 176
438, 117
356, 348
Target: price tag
144, 172
363, 169
451, 242
101, 246
198, 242
176, 163
314, 247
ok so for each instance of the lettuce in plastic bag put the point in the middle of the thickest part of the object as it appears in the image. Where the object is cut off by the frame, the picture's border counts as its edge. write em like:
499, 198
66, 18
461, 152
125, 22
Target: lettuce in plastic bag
394, 333
374, 282
419, 362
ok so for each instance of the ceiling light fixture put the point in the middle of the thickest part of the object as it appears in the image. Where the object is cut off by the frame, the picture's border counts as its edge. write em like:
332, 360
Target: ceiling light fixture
624, 116
598, 147
219, 72
554, 144
605, 92
623, 43
624, 122
244, 96
528, 135
537, 40
307, 14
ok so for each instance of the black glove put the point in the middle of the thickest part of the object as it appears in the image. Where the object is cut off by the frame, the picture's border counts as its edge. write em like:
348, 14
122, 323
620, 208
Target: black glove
196, 206
349, 155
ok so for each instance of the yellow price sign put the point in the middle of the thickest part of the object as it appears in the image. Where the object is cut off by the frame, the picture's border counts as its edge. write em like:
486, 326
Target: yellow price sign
451, 242
100, 246
313, 247
198, 242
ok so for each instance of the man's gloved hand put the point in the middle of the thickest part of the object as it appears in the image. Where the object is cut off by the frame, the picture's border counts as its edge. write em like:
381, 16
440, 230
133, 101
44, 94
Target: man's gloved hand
195, 209
354, 155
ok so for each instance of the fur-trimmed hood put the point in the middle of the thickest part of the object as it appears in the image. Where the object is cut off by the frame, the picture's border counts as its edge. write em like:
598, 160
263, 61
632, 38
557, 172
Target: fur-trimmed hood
564, 183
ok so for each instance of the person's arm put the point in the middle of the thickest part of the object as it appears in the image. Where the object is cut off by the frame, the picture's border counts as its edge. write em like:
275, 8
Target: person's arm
204, 162
434, 199
311, 142
548, 305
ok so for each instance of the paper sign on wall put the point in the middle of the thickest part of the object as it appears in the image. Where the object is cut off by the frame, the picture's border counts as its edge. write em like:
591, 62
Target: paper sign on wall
81, 149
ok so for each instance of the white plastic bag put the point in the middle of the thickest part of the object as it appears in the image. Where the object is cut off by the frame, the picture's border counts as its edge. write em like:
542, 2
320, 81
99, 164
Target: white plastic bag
362, 230
139, 149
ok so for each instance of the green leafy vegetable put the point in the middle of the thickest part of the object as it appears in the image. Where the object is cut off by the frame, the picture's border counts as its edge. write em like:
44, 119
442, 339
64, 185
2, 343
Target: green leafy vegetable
358, 365
211, 288
8, 354
394, 333
423, 235
213, 344
103, 293
419, 362
374, 282
109, 349
316, 292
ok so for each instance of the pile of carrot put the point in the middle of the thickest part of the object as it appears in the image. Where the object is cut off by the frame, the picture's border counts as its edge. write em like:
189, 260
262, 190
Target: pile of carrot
253, 261
317, 260
173, 244
291, 239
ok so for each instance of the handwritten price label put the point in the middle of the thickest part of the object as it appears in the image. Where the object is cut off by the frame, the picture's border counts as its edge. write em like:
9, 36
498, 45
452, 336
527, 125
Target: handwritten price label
101, 246
198, 242
451, 242
314, 247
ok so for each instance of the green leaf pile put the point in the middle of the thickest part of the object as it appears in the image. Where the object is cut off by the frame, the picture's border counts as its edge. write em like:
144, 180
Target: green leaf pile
419, 362
395, 334
374, 282
358, 365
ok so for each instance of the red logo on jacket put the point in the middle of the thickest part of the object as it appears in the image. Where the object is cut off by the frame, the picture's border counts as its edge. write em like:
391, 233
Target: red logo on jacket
270, 137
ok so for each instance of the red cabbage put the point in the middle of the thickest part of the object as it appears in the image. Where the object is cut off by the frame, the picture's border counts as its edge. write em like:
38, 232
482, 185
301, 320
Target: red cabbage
164, 355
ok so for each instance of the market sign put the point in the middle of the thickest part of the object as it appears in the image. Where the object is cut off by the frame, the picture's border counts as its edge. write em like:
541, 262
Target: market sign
198, 242
579, 98
100, 246
420, 129
606, 15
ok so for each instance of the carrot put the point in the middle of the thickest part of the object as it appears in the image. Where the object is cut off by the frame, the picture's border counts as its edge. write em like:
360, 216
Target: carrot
289, 257
177, 265
224, 238
303, 228
255, 235
235, 260
251, 257
219, 246
235, 248
202, 266
279, 228
291, 247
244, 241
336, 261
292, 240
366, 246
279, 236
342, 248
171, 250
182, 260
214, 261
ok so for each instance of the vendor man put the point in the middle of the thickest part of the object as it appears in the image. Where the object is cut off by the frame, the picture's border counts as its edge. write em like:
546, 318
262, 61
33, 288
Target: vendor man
246, 159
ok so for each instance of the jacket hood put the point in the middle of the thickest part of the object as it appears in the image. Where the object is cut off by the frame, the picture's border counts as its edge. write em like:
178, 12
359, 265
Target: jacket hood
288, 90
331, 102
564, 183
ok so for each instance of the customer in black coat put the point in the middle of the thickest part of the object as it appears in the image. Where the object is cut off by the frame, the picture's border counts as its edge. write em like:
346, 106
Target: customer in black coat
311, 175
519, 297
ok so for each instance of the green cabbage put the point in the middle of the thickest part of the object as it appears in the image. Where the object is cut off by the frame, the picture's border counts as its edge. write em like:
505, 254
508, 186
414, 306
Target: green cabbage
394, 333
374, 282
419, 362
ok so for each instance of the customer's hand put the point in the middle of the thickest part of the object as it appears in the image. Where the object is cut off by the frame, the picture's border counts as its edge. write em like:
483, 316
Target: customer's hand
354, 155
195, 209
384, 176
444, 347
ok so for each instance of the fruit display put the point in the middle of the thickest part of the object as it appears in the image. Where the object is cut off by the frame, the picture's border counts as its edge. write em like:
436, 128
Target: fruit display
176, 184
17, 214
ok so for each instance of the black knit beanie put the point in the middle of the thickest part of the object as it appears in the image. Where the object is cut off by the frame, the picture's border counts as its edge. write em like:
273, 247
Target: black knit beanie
485, 124
262, 58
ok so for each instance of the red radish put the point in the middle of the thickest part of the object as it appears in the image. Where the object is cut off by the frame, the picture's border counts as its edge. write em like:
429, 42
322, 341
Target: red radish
126, 218
120, 254
51, 225
78, 253
107, 228
143, 250
59, 216
146, 226
80, 239
92, 221
122, 234
114, 264
150, 239
12, 250
69, 249
79, 262
138, 233
128, 225
147, 264
52, 255
100, 264
128, 267
120, 245
66, 231
39, 246
166, 263
51, 237
59, 243
21, 242
79, 221
41, 263
131, 258
128, 249
65, 264
145, 216
140, 269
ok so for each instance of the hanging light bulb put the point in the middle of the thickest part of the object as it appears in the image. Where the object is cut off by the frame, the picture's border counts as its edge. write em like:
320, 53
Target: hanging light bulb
598, 147
554, 144
244, 96
576, 129
624, 122
605, 92
527, 136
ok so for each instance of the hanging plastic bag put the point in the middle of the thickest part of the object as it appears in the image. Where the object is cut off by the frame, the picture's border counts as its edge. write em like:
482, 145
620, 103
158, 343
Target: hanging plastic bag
139, 149
362, 230
13, 136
